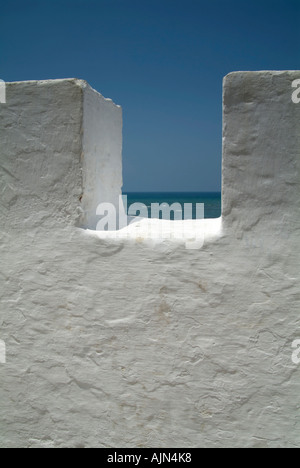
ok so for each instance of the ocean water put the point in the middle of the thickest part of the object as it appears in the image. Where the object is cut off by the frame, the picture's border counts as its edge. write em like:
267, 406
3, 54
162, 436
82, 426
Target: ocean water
211, 200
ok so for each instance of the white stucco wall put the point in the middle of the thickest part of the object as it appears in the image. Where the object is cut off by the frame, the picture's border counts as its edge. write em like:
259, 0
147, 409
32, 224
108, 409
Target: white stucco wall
61, 145
121, 342
102, 153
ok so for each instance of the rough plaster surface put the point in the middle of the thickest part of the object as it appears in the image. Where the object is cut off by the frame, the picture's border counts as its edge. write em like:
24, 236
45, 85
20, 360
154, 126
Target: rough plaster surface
102, 153
118, 342
61, 143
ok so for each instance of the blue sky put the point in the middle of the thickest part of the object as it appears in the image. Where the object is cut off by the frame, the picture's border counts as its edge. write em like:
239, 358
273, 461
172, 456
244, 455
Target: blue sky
163, 61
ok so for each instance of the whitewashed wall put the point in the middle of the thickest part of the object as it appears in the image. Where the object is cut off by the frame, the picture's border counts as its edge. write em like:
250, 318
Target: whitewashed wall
117, 342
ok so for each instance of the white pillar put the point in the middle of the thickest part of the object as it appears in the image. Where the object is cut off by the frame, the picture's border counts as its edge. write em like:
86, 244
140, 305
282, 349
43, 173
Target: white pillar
61, 145
261, 153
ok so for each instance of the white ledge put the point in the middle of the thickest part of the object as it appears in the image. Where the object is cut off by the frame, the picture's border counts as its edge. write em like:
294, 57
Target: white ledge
199, 231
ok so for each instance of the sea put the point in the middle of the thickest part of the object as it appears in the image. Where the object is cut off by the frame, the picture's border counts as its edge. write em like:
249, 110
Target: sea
211, 201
